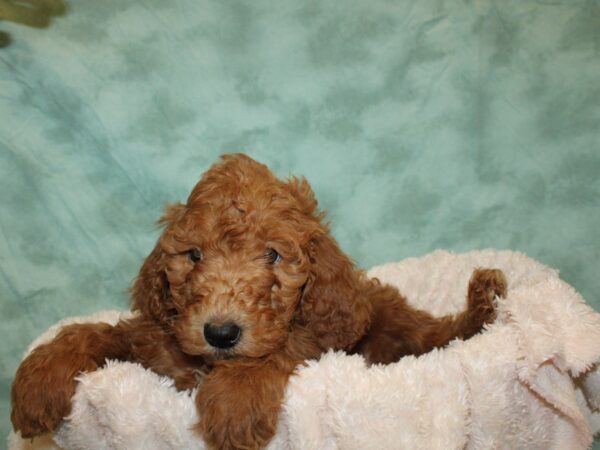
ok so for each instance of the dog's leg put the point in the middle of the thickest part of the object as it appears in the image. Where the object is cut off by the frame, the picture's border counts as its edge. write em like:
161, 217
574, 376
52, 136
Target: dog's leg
45, 381
239, 401
397, 329
485, 285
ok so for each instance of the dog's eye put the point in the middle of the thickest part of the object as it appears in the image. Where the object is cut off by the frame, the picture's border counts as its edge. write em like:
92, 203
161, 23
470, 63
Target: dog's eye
272, 256
195, 255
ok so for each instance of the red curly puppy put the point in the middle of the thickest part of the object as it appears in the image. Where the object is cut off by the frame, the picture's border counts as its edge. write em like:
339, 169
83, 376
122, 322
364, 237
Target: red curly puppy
244, 284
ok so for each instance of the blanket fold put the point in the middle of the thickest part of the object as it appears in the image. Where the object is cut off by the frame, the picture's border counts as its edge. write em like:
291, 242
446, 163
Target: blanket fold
531, 380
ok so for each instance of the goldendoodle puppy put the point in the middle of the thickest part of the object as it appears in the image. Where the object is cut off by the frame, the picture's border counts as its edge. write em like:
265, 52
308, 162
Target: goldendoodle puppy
244, 284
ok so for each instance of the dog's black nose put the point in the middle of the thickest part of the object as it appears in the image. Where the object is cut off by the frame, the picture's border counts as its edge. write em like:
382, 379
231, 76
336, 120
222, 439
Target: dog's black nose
222, 336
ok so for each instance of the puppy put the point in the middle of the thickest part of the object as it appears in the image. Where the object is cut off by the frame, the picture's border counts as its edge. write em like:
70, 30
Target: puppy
244, 284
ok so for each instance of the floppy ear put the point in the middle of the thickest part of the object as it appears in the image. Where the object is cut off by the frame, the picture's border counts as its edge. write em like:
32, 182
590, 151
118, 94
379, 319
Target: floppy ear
150, 291
334, 305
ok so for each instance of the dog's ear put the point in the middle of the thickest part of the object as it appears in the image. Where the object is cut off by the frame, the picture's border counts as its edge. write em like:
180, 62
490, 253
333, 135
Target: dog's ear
334, 305
150, 291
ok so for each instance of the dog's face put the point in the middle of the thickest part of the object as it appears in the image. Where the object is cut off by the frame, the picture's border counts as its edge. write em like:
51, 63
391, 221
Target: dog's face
234, 260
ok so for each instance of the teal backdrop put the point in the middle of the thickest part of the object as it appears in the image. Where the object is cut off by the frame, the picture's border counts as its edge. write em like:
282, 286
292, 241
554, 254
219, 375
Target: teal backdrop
420, 125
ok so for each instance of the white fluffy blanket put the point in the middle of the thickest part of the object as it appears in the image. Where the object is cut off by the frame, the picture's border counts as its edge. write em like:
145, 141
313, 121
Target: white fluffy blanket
529, 381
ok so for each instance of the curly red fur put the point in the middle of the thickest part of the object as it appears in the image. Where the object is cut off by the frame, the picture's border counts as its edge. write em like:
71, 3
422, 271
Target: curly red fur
213, 264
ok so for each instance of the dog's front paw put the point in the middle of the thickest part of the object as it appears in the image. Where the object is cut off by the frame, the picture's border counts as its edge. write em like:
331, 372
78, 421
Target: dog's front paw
239, 407
42, 390
236, 425
485, 285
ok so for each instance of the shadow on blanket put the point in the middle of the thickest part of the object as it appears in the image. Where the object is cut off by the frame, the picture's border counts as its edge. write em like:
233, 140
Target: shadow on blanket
529, 381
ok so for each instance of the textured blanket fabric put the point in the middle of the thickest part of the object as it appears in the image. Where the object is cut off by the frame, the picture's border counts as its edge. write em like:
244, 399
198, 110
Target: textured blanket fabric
529, 381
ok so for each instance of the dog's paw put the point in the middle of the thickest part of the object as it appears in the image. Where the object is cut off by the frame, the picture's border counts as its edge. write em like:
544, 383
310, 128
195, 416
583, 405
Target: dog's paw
239, 407
42, 390
485, 285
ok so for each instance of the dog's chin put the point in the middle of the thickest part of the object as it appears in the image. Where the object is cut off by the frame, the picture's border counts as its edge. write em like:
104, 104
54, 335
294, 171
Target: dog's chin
214, 355
221, 355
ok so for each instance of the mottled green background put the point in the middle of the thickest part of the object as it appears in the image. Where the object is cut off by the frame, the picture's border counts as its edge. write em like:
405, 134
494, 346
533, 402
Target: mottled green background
420, 124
